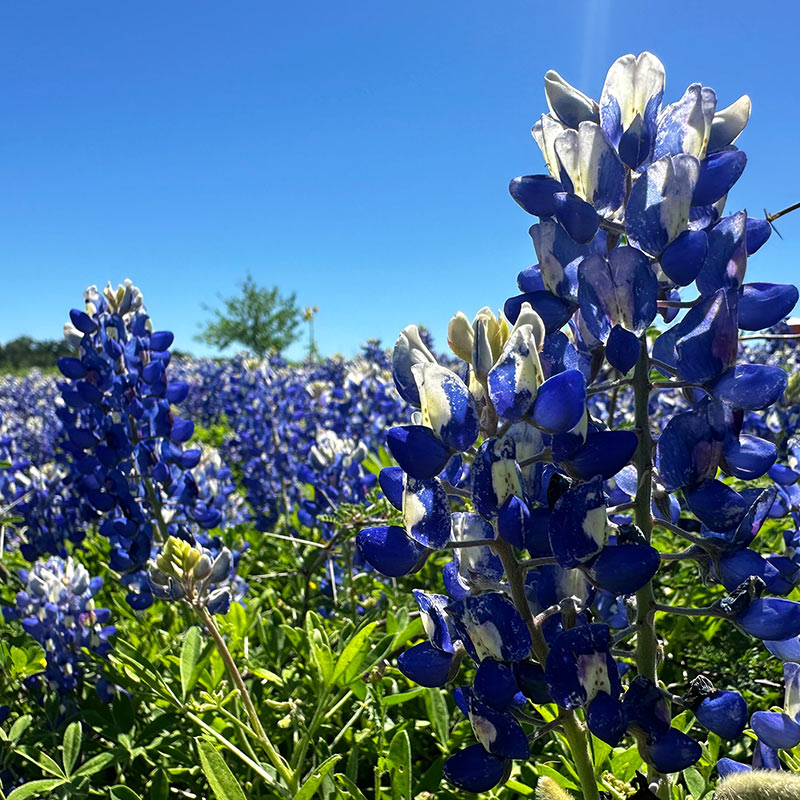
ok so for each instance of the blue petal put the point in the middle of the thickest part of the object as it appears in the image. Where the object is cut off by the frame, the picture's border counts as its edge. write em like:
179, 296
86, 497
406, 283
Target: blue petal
495, 476
580, 665
622, 349
417, 450
498, 732
493, 625
390, 551
530, 280
560, 402
513, 521
716, 505
718, 173
684, 258
684, 126
723, 713
495, 684
673, 752
659, 203
758, 231
750, 386
578, 524
726, 260
559, 256
606, 718
636, 144
391, 483
707, 339
645, 705
475, 770
426, 512
626, 568
727, 766
530, 679
426, 665
785, 649
554, 311
748, 457
447, 406
434, 619
622, 290
762, 305
604, 453
535, 193
771, 618
735, 567
776, 729
690, 447
409, 350
577, 217
516, 376
765, 757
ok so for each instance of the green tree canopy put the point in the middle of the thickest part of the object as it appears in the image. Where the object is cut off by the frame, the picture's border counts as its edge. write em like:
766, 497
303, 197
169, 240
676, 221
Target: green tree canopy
258, 318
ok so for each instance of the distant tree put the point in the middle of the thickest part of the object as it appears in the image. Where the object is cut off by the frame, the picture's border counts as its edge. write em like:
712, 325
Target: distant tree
258, 318
25, 353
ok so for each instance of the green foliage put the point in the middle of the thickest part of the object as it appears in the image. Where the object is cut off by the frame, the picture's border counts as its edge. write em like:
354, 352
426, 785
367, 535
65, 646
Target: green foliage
24, 353
321, 671
258, 318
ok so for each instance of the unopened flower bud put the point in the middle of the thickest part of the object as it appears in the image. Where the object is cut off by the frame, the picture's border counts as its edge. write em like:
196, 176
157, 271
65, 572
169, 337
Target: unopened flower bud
221, 566
460, 336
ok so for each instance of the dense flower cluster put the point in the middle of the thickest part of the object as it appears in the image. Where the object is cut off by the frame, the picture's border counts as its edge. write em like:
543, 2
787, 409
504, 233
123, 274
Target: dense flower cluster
127, 447
547, 444
298, 427
57, 608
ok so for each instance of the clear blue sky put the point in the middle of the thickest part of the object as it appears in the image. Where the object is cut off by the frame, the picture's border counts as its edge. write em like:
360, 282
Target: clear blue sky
357, 153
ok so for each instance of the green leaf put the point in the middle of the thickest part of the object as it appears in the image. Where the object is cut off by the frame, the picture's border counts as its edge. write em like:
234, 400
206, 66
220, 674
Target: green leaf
313, 781
190, 653
399, 758
95, 764
544, 770
219, 777
19, 727
438, 715
50, 765
349, 661
402, 697
71, 746
348, 789
35, 788
159, 786
122, 792
694, 782
601, 752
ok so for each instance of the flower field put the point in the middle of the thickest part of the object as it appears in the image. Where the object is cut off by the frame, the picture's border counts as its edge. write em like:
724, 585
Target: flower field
557, 555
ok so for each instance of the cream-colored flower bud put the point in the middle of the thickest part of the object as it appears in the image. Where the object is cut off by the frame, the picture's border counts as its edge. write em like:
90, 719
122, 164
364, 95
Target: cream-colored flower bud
528, 316
459, 336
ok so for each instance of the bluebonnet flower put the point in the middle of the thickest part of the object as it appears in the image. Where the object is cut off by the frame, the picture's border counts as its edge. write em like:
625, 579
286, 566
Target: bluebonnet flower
126, 446
57, 609
549, 432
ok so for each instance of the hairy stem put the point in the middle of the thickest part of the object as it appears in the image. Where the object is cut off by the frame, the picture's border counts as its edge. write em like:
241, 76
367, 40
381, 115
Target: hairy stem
274, 756
576, 734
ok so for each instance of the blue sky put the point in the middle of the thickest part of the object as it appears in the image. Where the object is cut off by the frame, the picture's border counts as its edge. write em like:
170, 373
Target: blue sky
357, 153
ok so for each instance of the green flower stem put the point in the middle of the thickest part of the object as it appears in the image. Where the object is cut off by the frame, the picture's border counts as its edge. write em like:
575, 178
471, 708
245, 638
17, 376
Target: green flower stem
646, 641
646, 638
274, 756
574, 731
299, 754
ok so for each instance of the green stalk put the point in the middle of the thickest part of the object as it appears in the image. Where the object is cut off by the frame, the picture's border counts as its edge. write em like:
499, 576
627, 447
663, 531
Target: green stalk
575, 732
274, 756
646, 641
